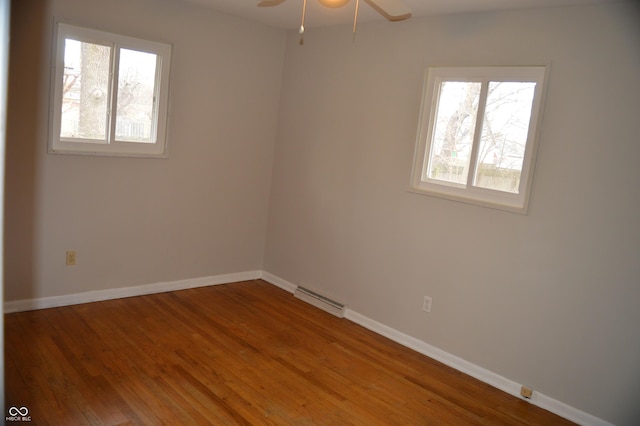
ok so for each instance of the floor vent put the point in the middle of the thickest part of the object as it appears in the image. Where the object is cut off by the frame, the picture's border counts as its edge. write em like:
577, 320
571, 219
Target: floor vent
320, 301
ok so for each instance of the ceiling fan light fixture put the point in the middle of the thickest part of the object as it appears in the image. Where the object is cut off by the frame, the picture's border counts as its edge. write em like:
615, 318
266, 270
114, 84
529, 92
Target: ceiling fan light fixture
333, 3
393, 10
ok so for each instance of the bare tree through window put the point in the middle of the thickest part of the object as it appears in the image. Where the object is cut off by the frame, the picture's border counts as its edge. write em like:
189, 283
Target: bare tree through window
478, 134
110, 95
503, 133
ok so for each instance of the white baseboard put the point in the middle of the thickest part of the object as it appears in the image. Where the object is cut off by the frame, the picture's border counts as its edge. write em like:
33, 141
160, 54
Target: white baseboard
119, 293
482, 374
278, 282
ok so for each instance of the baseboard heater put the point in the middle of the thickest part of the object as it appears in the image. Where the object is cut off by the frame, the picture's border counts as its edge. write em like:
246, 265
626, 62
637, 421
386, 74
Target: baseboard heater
320, 301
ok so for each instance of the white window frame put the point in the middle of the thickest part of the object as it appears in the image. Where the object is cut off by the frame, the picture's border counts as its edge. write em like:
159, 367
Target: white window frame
514, 202
111, 146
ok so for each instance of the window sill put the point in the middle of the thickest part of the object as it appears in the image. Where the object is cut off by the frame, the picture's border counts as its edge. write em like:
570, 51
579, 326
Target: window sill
511, 208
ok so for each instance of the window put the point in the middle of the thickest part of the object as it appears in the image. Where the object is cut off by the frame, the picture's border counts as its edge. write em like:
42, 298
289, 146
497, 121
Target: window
477, 136
110, 94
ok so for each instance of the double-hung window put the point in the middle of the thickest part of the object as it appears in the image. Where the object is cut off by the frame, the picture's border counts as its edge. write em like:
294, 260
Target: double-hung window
478, 134
109, 94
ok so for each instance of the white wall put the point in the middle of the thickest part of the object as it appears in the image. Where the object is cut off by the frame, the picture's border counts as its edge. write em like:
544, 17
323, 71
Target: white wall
133, 221
549, 299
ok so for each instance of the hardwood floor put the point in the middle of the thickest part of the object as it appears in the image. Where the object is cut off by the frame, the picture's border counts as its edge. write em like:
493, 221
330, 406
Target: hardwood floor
245, 353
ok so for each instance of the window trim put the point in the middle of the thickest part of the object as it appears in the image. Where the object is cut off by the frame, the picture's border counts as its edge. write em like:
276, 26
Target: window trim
512, 202
58, 145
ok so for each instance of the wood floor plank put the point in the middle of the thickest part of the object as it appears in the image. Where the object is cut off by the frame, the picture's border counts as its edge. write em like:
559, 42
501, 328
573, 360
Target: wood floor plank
246, 353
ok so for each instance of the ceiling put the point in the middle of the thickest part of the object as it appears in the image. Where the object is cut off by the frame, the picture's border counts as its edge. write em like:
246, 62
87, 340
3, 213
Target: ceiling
287, 15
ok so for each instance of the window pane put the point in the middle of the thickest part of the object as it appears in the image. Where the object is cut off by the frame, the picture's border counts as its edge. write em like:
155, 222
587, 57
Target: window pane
504, 135
453, 132
136, 92
85, 90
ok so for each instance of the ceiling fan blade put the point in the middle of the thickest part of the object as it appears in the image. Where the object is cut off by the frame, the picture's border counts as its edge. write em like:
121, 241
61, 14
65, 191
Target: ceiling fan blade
393, 10
269, 3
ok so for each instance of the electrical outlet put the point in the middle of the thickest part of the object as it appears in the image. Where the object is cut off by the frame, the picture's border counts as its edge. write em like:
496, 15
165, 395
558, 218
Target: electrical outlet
426, 305
71, 257
526, 392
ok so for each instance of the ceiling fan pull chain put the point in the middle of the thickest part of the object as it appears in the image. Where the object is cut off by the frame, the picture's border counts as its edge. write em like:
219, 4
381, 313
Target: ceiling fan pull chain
355, 20
304, 12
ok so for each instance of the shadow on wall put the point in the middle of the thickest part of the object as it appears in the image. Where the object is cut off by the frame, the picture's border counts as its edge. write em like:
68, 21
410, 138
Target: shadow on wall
25, 98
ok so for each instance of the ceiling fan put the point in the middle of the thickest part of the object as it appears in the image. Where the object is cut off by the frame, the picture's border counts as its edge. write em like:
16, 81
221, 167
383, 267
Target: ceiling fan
393, 10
